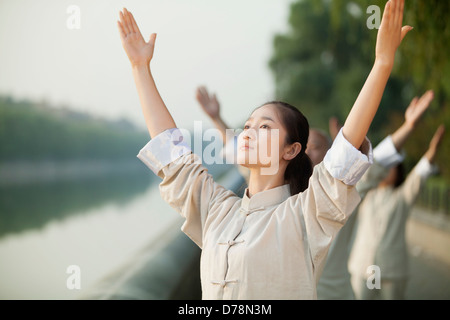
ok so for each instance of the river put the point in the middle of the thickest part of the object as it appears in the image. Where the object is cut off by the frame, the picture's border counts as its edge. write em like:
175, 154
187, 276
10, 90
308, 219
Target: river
95, 224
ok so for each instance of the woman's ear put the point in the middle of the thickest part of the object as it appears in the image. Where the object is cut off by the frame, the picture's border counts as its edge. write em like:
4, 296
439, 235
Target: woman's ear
292, 151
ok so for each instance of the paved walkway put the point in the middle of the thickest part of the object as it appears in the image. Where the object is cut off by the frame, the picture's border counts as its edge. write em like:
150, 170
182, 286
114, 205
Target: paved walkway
430, 277
429, 238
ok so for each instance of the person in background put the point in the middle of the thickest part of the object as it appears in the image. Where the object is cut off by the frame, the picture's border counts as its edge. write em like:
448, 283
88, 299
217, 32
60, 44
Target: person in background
335, 282
380, 235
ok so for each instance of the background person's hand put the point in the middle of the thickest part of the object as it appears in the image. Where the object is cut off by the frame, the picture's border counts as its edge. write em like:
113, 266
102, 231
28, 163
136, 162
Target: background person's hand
208, 102
417, 108
435, 142
333, 127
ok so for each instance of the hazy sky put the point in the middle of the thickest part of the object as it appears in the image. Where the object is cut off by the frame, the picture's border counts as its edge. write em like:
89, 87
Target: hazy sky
225, 45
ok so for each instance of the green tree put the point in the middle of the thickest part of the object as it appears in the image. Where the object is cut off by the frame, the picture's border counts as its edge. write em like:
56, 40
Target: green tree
321, 63
31, 131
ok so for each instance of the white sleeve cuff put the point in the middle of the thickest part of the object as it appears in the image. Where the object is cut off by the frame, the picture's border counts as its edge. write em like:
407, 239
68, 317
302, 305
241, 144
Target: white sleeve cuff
346, 163
424, 168
386, 154
163, 149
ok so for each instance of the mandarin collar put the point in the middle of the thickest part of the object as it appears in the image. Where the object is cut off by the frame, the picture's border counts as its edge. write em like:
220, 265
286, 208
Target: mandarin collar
265, 198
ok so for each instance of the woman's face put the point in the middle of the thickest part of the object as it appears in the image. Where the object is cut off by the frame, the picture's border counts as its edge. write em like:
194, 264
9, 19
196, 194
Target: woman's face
262, 142
391, 178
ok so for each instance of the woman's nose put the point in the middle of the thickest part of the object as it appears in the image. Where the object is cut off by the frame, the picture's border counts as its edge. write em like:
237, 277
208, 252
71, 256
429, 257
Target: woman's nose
249, 134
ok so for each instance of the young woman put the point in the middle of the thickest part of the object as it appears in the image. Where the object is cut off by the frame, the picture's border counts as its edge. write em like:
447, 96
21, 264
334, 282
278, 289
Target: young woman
318, 141
272, 243
380, 238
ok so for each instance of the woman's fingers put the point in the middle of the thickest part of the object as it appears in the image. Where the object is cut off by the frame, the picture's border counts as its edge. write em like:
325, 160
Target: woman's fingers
424, 102
413, 102
152, 39
129, 25
405, 30
437, 138
123, 22
440, 132
201, 96
134, 24
214, 98
386, 14
121, 30
203, 93
398, 19
395, 10
401, 6
128, 20
427, 97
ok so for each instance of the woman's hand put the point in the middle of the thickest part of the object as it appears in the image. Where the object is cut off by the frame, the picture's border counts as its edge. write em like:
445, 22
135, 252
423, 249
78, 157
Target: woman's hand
391, 32
413, 114
417, 107
366, 105
208, 103
434, 143
138, 51
333, 127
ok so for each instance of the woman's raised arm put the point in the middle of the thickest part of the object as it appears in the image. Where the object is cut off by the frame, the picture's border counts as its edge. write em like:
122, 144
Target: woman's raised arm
366, 105
413, 114
140, 53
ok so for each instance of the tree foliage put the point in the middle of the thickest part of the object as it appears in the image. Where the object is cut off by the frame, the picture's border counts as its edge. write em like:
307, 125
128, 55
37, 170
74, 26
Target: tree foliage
32, 131
321, 63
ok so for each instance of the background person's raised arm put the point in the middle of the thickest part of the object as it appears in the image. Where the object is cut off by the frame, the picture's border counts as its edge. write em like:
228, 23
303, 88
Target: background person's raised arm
413, 114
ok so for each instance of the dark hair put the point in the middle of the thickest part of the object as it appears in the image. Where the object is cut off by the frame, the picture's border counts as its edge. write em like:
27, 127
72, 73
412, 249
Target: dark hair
299, 169
399, 175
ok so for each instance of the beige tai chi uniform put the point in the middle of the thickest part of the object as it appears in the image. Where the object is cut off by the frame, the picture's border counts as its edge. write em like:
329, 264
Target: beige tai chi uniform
380, 238
270, 246
335, 281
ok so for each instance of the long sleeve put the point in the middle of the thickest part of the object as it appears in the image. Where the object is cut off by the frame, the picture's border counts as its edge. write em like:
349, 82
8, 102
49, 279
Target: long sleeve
385, 156
186, 185
415, 181
331, 195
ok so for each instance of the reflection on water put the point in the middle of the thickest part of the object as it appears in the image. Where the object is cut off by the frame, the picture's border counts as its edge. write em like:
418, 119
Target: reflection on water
94, 223
97, 224
27, 206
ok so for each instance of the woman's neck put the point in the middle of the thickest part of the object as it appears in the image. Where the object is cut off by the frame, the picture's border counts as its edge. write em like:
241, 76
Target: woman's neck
259, 182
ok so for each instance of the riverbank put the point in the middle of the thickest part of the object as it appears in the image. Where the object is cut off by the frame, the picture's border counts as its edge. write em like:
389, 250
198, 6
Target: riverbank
26, 172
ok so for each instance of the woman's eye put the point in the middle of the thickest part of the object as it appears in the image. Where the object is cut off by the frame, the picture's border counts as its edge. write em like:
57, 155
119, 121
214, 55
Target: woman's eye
265, 126
246, 127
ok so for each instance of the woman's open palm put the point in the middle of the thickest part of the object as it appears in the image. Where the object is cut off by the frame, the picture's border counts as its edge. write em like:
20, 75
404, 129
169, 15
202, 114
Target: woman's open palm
138, 51
209, 104
391, 32
417, 107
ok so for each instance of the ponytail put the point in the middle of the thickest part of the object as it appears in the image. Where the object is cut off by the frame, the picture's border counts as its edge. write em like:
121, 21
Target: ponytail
299, 169
298, 172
